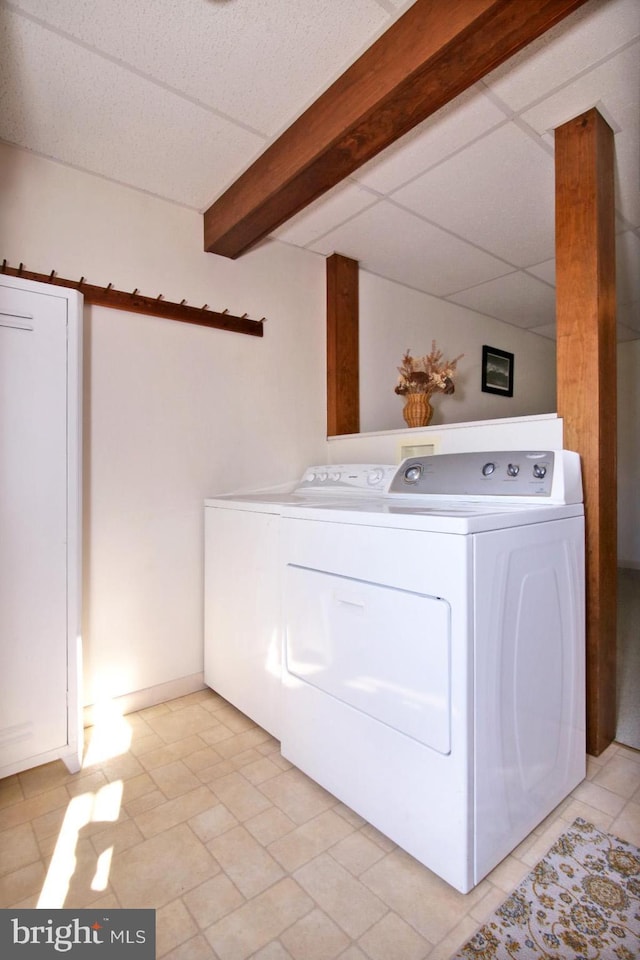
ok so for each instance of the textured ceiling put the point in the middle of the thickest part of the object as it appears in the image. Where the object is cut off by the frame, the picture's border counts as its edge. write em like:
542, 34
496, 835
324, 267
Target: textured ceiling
178, 97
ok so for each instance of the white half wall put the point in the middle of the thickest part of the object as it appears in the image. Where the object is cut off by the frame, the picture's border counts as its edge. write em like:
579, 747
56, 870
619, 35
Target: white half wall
392, 446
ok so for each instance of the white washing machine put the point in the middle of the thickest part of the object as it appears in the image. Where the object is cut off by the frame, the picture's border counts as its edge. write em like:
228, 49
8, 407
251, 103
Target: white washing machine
433, 650
242, 573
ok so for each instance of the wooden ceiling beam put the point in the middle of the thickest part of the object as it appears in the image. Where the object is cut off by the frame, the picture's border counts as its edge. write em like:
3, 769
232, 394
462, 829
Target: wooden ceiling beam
426, 58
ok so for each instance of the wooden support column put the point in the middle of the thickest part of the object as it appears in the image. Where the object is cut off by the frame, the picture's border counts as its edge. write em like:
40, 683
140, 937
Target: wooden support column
586, 371
343, 386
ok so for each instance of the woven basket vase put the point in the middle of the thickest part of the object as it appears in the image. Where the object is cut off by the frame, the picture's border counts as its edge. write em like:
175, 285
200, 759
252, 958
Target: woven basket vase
417, 410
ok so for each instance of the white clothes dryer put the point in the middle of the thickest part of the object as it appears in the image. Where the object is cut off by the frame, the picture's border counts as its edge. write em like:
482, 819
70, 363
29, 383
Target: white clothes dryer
433, 651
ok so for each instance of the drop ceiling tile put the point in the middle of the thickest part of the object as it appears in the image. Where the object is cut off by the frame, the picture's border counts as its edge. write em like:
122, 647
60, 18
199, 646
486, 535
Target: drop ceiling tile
325, 214
454, 126
257, 63
614, 88
497, 193
396, 4
545, 271
393, 243
613, 85
627, 165
114, 123
590, 34
517, 299
547, 330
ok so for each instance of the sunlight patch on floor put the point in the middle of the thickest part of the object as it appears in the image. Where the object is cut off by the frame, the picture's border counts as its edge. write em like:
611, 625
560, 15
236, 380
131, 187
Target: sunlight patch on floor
102, 806
103, 867
110, 735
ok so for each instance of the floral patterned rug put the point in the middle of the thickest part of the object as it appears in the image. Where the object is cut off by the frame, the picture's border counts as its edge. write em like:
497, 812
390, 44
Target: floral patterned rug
581, 902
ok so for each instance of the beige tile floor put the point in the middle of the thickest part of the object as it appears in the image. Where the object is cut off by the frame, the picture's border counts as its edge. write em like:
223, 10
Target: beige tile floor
188, 807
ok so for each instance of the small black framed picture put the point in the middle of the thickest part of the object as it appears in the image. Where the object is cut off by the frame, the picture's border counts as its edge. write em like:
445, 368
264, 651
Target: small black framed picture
497, 371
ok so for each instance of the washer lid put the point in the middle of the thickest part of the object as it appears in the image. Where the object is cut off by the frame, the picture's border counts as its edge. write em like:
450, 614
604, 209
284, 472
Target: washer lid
317, 483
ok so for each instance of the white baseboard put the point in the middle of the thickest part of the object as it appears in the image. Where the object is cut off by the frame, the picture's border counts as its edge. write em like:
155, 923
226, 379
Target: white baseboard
149, 697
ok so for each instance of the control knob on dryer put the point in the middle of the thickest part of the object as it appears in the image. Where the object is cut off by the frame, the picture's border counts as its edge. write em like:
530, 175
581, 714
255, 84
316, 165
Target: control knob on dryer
413, 473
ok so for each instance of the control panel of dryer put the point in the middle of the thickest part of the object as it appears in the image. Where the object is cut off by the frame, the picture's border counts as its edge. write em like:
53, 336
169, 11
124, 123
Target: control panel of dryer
552, 475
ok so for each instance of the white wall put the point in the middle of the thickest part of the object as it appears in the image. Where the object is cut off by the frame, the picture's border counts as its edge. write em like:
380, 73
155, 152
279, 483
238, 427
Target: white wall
394, 318
629, 454
173, 412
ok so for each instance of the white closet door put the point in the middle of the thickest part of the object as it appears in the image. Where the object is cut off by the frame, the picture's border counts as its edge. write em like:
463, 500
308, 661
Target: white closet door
33, 524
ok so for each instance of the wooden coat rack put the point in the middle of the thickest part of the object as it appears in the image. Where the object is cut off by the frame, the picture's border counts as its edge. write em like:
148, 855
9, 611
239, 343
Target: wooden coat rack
136, 303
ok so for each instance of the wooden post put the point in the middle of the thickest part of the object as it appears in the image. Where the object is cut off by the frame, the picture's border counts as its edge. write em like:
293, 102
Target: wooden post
586, 372
343, 386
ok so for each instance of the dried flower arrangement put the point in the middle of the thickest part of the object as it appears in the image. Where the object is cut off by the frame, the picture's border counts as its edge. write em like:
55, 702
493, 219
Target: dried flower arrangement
427, 374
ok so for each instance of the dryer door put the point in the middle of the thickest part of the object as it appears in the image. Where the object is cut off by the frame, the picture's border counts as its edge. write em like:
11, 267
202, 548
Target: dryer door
381, 650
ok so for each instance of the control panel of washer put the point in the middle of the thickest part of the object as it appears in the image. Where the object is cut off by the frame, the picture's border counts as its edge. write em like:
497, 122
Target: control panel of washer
347, 478
551, 474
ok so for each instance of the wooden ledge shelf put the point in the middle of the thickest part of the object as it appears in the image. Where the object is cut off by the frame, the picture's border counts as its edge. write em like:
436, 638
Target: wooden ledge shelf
135, 302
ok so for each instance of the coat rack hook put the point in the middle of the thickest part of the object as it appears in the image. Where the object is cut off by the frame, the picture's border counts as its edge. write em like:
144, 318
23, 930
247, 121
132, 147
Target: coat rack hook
244, 316
226, 310
204, 307
160, 296
108, 287
134, 292
52, 275
182, 303
4, 265
20, 268
81, 281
